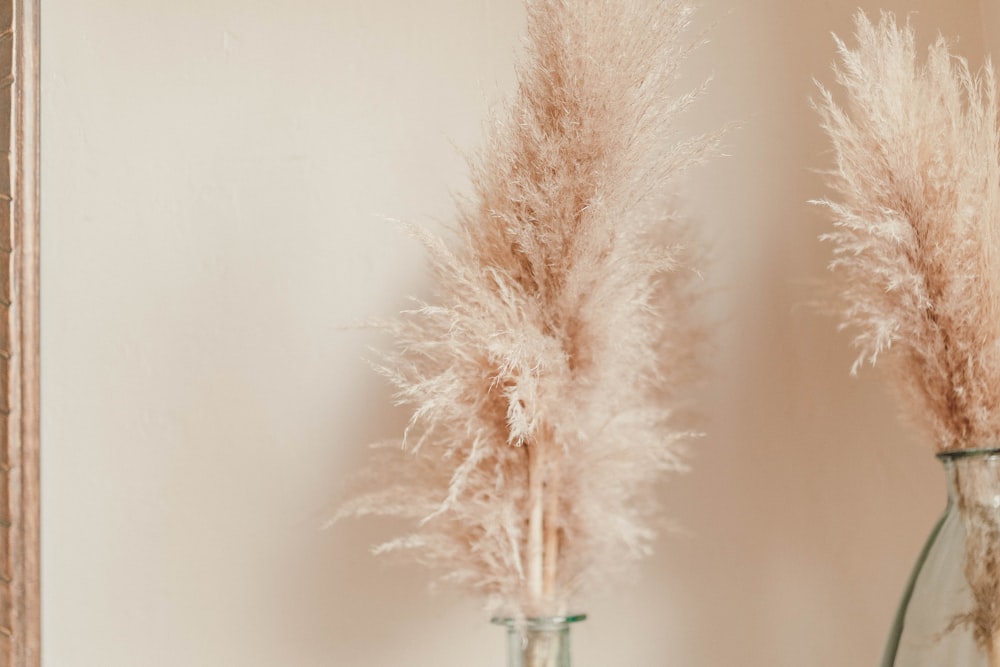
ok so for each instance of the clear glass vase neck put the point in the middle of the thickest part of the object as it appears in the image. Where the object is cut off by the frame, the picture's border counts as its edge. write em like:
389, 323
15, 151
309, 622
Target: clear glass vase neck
973, 476
541, 641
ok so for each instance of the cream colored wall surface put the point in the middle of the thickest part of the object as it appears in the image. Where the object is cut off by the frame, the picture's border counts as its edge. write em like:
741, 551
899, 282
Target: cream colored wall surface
991, 27
216, 176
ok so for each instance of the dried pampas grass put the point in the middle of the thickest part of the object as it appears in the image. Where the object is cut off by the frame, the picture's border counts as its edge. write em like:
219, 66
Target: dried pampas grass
917, 249
918, 174
543, 378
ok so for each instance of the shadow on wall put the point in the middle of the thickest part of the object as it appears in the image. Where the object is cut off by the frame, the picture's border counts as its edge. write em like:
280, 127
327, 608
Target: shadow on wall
337, 602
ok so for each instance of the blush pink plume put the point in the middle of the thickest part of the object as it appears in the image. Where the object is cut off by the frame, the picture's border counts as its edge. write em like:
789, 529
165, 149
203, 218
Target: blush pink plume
545, 375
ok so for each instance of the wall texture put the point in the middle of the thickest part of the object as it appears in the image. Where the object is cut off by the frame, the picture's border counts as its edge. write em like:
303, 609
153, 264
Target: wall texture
991, 28
216, 181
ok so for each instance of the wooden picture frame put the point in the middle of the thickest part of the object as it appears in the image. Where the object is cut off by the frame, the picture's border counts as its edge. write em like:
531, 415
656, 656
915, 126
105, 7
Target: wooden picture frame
20, 618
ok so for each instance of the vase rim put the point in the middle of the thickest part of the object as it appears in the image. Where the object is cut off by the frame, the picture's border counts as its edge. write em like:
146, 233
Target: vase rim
538, 621
955, 454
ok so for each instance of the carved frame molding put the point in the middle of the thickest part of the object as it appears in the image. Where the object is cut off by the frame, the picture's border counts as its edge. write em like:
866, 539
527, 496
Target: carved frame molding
20, 618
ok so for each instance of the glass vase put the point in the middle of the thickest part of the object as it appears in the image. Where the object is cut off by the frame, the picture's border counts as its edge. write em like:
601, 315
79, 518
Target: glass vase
944, 619
539, 642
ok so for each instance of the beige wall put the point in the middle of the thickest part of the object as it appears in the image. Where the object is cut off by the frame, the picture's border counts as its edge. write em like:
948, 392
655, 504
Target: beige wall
991, 27
215, 178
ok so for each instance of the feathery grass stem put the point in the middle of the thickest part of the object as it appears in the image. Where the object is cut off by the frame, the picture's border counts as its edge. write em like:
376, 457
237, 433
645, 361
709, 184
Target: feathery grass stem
544, 377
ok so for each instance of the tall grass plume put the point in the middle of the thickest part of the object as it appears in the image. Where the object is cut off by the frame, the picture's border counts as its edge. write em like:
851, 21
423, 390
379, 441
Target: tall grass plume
545, 373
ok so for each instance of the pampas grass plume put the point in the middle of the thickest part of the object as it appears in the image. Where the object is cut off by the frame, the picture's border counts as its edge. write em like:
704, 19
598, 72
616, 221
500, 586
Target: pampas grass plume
542, 378
917, 179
